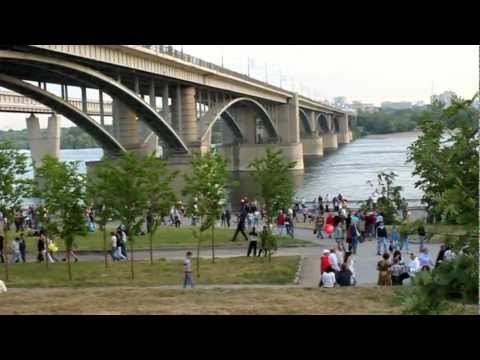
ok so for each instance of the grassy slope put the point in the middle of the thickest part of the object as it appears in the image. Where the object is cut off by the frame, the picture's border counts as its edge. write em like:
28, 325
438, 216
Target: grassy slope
338, 301
235, 270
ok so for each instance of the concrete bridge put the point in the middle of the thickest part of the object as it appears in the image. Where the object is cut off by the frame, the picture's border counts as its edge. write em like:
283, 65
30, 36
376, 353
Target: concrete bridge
161, 96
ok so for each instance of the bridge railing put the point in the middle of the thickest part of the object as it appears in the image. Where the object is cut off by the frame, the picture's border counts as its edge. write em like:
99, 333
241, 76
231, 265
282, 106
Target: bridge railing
169, 50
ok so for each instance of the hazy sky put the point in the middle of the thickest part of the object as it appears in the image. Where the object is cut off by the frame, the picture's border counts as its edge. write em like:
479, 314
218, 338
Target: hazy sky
370, 74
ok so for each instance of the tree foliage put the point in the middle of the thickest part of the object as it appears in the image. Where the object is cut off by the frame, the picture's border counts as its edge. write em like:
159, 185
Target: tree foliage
446, 160
125, 181
62, 190
272, 174
206, 187
14, 186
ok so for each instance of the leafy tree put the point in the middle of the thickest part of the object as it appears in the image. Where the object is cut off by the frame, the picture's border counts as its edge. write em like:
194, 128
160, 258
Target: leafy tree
390, 199
125, 180
13, 187
102, 199
272, 173
207, 188
161, 195
446, 160
63, 193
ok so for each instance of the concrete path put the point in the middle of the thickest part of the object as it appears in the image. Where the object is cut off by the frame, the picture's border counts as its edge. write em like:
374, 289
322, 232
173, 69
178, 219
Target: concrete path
365, 260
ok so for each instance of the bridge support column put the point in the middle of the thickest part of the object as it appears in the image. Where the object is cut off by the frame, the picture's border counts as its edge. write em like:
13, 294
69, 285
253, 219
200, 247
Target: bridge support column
289, 129
344, 135
247, 119
313, 146
126, 127
330, 142
189, 115
41, 146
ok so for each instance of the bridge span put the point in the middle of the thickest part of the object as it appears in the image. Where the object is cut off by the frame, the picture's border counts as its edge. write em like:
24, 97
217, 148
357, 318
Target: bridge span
163, 97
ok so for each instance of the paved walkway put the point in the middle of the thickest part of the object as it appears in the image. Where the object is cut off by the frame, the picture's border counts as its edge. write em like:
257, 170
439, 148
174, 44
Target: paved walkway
365, 260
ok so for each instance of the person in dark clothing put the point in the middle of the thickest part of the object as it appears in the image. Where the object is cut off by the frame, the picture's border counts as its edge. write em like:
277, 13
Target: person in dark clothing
241, 225
344, 276
441, 254
23, 248
40, 247
227, 217
252, 244
2, 259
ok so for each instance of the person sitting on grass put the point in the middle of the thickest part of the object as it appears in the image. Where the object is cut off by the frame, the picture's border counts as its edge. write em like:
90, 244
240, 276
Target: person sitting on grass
344, 276
187, 271
328, 278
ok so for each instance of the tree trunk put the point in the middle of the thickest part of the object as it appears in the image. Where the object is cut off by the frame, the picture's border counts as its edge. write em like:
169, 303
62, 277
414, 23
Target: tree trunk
151, 246
105, 245
69, 265
5, 253
213, 243
198, 254
131, 260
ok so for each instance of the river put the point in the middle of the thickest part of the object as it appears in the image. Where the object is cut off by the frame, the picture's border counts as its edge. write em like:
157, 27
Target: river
345, 170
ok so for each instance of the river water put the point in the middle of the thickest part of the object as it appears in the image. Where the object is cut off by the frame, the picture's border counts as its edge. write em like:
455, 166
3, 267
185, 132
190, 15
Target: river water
345, 170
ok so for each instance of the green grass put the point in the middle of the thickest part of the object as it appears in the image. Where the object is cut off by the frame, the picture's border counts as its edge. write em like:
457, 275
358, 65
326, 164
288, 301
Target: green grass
234, 270
166, 236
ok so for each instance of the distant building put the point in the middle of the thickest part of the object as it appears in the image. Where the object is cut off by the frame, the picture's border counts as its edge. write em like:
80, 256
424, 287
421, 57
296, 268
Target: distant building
476, 104
402, 105
359, 106
445, 97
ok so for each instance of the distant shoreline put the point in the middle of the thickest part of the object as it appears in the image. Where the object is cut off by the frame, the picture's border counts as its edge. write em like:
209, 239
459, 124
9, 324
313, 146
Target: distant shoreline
394, 135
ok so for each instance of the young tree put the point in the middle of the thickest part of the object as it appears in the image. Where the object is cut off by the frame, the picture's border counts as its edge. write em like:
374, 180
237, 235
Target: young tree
63, 193
206, 187
272, 173
161, 195
102, 199
390, 199
14, 187
125, 180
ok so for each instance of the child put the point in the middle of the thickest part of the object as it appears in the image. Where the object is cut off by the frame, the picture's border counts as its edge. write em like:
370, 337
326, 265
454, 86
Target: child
339, 237
252, 242
187, 270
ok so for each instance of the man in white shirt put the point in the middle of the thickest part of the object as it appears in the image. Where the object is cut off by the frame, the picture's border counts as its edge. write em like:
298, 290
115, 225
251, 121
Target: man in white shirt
187, 270
414, 265
333, 260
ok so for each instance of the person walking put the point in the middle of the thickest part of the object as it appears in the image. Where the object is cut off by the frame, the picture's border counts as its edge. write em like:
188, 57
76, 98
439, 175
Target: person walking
16, 256
241, 225
383, 267
280, 222
23, 248
252, 242
394, 239
339, 236
421, 236
318, 230
381, 238
289, 225
227, 217
41, 248
114, 244
122, 236
187, 271
350, 262
2, 240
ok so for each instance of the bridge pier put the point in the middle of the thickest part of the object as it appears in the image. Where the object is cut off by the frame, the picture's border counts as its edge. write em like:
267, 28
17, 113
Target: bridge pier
312, 146
344, 134
330, 142
39, 145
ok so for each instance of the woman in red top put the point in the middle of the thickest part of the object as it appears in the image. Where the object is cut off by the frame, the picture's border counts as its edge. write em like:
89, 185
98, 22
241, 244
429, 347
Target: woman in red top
324, 261
281, 222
